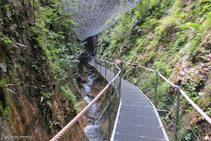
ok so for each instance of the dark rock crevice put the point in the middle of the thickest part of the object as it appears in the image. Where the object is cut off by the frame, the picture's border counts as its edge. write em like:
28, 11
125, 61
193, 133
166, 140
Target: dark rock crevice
91, 45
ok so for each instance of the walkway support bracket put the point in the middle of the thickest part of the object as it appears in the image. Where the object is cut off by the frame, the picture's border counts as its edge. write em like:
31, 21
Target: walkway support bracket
120, 81
114, 76
110, 110
120, 85
156, 84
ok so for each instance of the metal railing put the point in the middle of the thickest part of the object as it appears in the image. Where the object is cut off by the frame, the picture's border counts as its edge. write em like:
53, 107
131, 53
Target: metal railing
178, 118
111, 108
111, 83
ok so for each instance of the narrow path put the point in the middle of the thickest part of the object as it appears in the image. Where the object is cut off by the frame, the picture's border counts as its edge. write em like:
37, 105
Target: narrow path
137, 119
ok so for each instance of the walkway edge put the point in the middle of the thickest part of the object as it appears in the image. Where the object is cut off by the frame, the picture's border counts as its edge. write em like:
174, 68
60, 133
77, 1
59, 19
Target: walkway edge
161, 124
115, 124
162, 129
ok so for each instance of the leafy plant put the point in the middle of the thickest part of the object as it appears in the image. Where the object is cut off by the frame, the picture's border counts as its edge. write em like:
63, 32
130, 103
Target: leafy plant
6, 40
52, 124
69, 95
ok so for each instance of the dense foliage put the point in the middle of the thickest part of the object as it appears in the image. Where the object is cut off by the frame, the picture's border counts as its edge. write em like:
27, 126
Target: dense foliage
39, 57
172, 36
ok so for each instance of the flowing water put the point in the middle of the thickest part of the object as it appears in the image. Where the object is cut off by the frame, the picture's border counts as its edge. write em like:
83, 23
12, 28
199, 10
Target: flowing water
94, 132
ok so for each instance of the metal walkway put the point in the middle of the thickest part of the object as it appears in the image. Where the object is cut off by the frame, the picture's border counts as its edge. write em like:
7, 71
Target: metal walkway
137, 118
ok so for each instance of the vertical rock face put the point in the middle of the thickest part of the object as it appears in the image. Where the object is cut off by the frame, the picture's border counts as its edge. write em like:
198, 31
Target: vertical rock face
31, 104
91, 45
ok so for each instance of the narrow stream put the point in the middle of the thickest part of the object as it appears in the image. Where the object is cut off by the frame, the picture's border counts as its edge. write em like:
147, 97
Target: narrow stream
94, 132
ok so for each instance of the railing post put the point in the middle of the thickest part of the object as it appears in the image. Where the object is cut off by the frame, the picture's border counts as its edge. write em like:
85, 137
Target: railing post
177, 114
95, 62
114, 76
120, 80
109, 120
105, 71
100, 67
120, 83
156, 84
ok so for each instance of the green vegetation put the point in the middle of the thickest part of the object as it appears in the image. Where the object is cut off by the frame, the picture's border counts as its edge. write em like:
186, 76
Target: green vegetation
5, 105
39, 57
54, 35
171, 36
69, 95
53, 31
6, 40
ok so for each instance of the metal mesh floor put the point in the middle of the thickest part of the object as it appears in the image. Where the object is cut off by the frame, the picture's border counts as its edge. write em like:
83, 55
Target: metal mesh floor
137, 119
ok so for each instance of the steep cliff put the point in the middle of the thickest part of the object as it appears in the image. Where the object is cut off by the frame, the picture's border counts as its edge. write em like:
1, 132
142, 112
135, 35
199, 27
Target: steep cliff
38, 70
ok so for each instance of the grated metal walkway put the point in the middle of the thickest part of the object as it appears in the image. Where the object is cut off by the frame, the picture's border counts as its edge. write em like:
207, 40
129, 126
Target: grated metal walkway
137, 118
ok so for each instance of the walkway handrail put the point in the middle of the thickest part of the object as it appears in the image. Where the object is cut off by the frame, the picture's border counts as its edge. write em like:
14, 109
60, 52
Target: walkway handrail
173, 85
195, 106
76, 118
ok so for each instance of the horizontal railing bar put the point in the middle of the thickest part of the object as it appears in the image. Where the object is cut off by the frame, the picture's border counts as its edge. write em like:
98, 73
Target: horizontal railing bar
161, 110
77, 117
101, 114
103, 111
195, 106
173, 85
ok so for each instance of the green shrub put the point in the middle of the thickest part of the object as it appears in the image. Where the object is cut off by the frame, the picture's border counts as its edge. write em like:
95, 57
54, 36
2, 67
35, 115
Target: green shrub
180, 41
68, 94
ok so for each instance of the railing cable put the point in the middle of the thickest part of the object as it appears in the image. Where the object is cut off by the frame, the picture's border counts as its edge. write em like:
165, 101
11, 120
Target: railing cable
173, 85
77, 117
